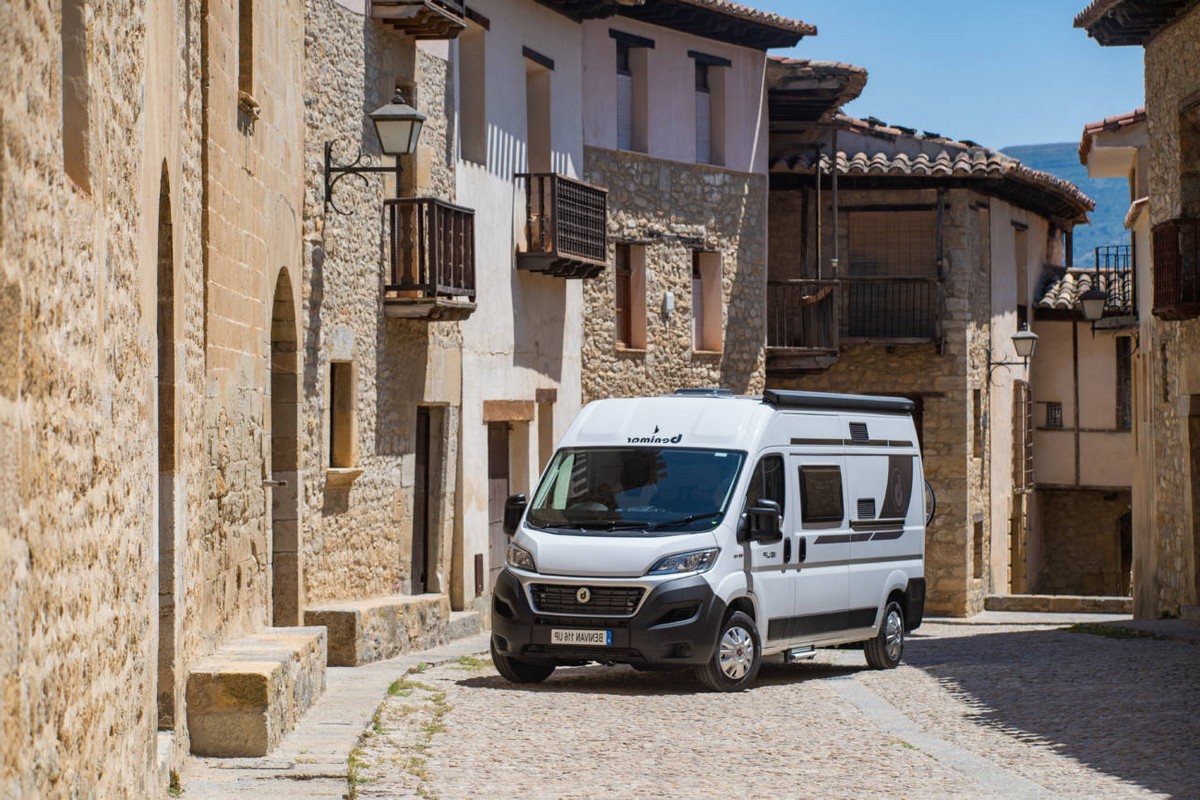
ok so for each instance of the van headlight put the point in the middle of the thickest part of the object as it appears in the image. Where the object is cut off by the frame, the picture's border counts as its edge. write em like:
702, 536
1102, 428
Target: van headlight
520, 558
693, 561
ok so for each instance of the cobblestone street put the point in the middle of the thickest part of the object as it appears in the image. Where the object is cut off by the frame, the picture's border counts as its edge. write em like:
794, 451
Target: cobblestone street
975, 710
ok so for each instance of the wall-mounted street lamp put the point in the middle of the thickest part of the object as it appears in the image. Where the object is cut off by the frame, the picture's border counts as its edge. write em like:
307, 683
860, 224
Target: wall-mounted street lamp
1094, 299
399, 126
1024, 342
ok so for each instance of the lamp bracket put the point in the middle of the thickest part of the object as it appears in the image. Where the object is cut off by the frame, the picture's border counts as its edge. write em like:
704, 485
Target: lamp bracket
360, 167
993, 365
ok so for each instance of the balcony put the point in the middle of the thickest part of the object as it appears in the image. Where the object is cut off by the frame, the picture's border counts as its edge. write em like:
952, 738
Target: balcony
431, 249
1176, 269
807, 320
422, 19
566, 227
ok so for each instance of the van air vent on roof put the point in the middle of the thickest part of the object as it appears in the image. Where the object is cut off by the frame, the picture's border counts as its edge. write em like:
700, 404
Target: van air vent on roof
858, 432
866, 508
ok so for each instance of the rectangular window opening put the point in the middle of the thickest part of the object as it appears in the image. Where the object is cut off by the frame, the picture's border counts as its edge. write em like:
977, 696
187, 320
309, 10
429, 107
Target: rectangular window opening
706, 302
246, 46
632, 65
1054, 414
1124, 383
342, 433
76, 94
472, 82
821, 494
977, 542
538, 116
629, 276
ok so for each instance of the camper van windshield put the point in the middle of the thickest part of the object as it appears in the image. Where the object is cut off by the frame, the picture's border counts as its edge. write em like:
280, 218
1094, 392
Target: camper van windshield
646, 490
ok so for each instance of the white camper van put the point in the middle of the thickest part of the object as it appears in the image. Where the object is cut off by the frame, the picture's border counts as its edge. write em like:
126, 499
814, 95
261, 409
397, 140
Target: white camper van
710, 531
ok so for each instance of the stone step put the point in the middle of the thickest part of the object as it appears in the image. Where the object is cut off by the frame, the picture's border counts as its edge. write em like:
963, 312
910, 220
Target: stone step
1059, 603
244, 698
1190, 613
464, 624
365, 631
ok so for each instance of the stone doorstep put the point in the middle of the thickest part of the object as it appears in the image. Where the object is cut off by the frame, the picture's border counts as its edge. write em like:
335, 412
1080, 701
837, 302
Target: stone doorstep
365, 631
1190, 613
243, 698
1061, 603
464, 624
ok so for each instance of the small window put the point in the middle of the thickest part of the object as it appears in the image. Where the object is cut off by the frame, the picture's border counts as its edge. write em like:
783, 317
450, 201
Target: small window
629, 279
767, 483
701, 77
623, 59
76, 94
706, 302
1054, 415
1124, 383
472, 103
821, 494
342, 434
246, 46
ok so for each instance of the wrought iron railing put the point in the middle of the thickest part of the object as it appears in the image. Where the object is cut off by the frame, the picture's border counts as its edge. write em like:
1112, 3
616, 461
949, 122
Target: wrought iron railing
890, 308
1114, 266
432, 247
566, 226
802, 314
1177, 269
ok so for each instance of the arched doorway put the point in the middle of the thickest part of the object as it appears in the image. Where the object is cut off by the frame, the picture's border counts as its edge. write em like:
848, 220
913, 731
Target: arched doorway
286, 581
168, 462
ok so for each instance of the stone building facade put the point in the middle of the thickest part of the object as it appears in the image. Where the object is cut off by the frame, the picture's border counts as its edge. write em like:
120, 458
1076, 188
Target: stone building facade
910, 279
675, 128
1166, 538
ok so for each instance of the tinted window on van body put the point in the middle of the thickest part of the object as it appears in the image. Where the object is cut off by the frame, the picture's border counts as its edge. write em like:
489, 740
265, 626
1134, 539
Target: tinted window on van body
821, 494
767, 483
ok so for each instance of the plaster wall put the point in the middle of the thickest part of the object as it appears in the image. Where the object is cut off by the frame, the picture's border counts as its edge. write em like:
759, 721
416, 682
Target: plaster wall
670, 84
527, 333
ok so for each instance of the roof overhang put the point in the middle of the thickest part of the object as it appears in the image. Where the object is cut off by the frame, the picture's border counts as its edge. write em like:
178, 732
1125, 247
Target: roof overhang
1129, 22
719, 20
810, 91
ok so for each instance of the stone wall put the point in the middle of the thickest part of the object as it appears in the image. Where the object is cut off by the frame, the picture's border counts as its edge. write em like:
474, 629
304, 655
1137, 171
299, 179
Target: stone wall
1081, 534
1167, 547
357, 538
940, 376
673, 209
77, 454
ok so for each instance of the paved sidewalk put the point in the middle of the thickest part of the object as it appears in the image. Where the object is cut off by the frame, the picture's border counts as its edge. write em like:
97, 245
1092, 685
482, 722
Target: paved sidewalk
312, 761
1181, 630
1028, 618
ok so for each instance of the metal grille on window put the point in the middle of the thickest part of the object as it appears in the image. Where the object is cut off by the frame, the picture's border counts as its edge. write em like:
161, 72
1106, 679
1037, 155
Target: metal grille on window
1054, 415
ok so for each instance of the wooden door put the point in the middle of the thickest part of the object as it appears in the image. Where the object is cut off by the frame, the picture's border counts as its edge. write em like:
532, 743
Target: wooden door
420, 524
498, 491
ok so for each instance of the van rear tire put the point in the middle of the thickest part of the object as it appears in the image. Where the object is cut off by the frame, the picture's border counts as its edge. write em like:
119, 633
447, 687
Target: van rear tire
734, 665
514, 670
885, 650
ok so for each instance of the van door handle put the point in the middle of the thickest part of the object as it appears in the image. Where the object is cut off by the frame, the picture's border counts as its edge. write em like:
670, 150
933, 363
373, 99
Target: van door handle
803, 549
787, 550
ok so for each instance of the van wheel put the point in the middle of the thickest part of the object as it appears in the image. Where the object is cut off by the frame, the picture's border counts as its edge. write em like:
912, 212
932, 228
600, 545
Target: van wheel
739, 655
884, 651
514, 670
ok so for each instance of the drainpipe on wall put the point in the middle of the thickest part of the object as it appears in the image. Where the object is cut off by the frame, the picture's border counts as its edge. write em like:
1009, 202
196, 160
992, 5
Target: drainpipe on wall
834, 169
820, 231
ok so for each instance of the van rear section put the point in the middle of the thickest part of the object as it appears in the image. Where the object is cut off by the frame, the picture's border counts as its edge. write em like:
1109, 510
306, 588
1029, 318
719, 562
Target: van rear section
707, 531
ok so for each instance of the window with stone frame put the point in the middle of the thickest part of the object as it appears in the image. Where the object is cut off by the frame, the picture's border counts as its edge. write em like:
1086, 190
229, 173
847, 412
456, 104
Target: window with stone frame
629, 292
76, 93
707, 329
343, 422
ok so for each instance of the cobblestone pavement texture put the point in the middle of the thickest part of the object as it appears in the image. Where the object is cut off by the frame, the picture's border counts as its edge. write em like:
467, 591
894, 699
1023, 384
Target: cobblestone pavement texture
989, 711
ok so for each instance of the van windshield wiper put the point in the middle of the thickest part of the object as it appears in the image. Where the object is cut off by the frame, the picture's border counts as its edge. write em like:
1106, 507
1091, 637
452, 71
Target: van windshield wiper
685, 520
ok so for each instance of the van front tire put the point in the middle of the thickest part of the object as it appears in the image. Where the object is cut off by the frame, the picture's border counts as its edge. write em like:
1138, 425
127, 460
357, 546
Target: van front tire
734, 665
887, 647
514, 670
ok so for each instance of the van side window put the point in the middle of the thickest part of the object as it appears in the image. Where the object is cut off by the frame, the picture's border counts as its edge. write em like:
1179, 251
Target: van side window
821, 494
767, 483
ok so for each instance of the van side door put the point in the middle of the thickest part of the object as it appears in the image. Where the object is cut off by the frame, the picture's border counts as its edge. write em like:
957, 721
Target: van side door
768, 579
886, 524
821, 545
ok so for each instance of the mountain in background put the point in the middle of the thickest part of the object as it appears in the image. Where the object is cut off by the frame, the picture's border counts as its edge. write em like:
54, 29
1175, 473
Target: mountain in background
1111, 195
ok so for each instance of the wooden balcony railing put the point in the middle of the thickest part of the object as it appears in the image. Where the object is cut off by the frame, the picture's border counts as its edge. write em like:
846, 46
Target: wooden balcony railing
431, 248
566, 227
802, 314
1176, 269
892, 308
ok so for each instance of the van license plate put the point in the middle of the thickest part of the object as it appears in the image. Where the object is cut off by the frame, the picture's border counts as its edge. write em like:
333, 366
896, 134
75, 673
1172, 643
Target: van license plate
587, 637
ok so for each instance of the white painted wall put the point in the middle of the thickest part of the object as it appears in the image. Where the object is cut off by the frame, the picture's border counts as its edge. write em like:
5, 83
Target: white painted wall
527, 331
672, 98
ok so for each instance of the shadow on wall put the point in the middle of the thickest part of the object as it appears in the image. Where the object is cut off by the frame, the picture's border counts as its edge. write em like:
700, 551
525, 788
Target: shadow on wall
539, 321
745, 326
1126, 707
401, 363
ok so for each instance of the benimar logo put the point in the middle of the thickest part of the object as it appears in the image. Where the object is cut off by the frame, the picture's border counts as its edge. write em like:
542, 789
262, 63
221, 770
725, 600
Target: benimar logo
654, 438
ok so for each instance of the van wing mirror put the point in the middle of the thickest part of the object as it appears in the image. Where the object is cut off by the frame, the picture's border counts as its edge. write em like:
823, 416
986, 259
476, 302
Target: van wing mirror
514, 509
763, 523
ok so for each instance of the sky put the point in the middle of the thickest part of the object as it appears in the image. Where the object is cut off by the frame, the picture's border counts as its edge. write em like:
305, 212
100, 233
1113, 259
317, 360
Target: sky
998, 72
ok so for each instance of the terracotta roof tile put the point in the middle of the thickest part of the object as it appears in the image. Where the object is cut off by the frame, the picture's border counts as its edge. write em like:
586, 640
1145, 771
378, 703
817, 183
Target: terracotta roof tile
1061, 287
754, 15
951, 159
1107, 124
1136, 209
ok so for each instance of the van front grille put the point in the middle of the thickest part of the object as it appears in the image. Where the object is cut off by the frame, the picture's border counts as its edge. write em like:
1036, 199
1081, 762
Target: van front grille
552, 598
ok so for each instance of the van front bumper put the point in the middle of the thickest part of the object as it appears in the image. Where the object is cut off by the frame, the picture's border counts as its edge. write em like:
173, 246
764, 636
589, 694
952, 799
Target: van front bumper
676, 625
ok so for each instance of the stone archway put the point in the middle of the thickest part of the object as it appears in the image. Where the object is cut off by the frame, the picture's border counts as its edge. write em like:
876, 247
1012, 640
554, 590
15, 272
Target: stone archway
286, 576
